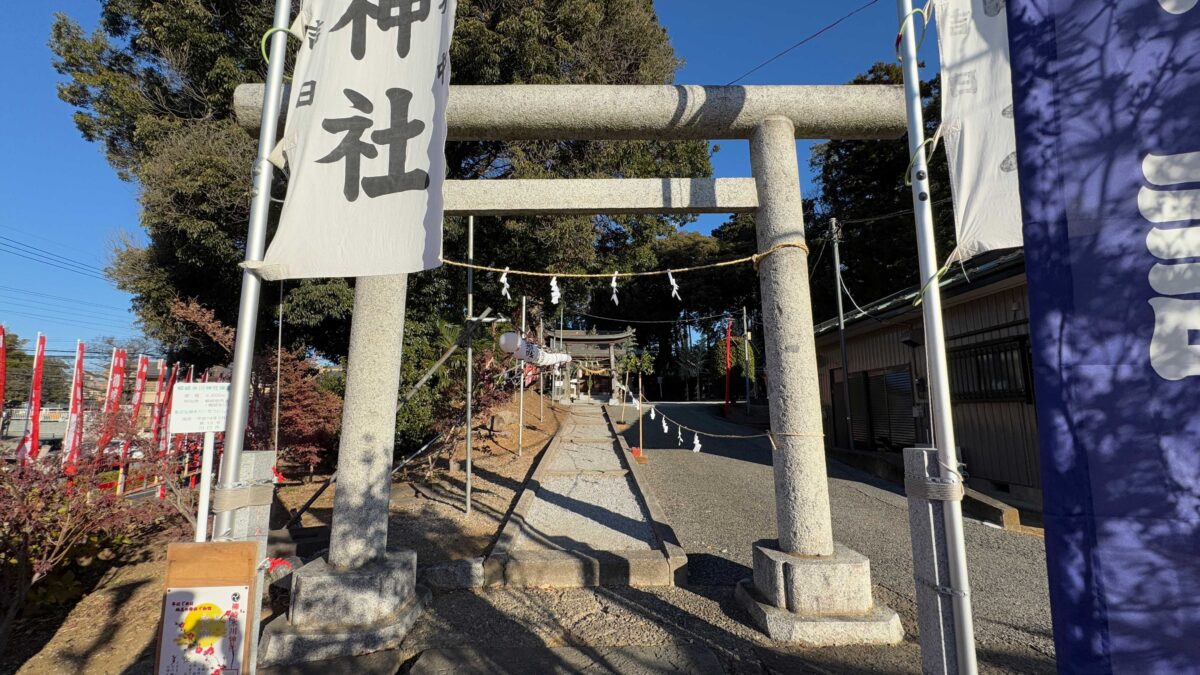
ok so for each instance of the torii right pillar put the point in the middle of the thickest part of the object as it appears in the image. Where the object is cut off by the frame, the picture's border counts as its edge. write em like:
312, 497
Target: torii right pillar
807, 588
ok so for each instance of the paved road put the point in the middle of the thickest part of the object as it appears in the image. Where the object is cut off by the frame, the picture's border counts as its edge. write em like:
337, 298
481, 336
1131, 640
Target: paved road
722, 500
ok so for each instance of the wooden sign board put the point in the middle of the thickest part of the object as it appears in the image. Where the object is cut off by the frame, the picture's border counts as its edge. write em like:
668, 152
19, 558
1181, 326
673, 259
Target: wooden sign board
209, 603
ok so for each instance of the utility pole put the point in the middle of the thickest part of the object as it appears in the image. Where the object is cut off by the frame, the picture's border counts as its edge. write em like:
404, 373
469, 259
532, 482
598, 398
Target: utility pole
746, 354
835, 234
935, 348
470, 348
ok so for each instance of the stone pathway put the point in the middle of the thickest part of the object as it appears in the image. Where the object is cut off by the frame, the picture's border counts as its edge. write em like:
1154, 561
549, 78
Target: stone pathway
584, 518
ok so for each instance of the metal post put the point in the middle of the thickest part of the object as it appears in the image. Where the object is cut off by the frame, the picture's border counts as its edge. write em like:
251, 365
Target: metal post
521, 413
541, 377
567, 368
641, 417
278, 365
470, 349
256, 244
746, 355
835, 233
206, 462
625, 394
935, 344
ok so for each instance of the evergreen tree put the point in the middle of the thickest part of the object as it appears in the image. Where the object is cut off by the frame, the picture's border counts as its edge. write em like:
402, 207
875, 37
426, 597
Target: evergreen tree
154, 84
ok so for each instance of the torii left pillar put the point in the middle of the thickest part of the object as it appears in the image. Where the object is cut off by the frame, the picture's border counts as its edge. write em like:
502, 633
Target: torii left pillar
806, 588
362, 596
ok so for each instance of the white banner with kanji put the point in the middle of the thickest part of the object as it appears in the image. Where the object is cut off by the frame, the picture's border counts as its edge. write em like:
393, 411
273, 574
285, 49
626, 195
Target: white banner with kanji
364, 141
977, 125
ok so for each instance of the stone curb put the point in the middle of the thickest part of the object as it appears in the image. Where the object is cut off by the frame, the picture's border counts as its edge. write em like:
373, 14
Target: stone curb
667, 540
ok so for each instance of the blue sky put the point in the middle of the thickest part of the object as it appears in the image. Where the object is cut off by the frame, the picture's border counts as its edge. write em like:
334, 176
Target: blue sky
58, 194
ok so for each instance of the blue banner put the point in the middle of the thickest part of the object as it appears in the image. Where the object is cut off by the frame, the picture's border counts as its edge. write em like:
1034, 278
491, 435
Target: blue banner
1107, 111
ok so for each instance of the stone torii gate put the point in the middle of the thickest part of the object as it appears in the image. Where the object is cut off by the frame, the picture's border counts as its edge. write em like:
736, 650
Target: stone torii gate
806, 587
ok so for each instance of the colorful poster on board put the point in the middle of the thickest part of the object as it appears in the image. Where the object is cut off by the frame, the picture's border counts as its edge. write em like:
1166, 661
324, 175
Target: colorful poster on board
203, 630
1106, 98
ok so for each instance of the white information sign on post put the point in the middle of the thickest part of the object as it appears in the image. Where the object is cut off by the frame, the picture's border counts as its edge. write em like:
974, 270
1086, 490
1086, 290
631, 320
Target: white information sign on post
200, 408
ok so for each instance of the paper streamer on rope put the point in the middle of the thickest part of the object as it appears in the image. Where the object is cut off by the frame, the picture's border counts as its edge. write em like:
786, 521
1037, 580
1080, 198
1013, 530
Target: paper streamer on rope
652, 412
555, 294
664, 425
613, 283
529, 352
679, 434
695, 442
674, 286
504, 280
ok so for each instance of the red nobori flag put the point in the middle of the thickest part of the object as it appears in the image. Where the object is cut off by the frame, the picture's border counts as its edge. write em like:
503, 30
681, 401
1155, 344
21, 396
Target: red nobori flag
156, 410
164, 412
139, 390
3, 364
30, 441
112, 401
73, 439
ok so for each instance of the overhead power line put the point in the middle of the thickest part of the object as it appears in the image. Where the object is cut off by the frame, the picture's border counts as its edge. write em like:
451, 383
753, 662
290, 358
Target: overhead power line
5, 248
12, 290
802, 42
47, 252
111, 315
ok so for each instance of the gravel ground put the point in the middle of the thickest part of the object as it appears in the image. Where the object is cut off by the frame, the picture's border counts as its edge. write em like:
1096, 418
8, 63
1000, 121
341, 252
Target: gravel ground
427, 516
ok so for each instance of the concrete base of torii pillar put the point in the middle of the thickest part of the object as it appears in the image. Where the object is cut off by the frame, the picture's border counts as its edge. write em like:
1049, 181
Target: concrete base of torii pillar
806, 588
362, 597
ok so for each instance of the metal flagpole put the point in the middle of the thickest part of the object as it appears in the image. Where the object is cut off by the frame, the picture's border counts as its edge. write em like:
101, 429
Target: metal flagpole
278, 365
835, 233
470, 340
746, 354
567, 368
256, 244
935, 345
521, 414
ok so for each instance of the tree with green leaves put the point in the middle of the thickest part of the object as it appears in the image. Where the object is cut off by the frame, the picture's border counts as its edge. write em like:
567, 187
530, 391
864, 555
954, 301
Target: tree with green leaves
154, 85
56, 375
860, 183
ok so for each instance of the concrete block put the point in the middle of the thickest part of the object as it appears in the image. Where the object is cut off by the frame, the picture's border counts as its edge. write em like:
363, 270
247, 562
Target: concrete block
931, 563
880, 626
326, 597
453, 575
813, 585
284, 643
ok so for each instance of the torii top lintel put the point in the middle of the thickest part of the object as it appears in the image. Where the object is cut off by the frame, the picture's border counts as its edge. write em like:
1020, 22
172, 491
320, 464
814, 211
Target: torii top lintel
667, 112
